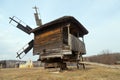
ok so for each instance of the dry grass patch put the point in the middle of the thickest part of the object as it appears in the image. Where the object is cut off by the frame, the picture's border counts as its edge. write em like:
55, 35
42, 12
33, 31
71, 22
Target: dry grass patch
90, 73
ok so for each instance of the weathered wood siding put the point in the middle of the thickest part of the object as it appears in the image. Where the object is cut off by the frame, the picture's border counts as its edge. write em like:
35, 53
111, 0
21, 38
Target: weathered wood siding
76, 44
48, 40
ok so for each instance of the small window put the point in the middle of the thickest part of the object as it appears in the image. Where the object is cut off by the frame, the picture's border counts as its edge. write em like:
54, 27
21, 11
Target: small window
65, 35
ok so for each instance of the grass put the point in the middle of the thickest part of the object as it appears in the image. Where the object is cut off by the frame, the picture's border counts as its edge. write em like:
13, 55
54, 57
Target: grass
90, 73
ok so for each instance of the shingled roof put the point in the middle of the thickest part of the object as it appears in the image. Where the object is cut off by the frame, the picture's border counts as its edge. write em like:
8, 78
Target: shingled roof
63, 19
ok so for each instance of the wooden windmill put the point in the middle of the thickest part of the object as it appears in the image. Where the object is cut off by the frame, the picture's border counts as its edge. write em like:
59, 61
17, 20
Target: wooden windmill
57, 42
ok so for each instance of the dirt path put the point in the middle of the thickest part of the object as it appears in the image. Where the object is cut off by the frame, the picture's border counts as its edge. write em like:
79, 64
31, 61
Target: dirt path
103, 65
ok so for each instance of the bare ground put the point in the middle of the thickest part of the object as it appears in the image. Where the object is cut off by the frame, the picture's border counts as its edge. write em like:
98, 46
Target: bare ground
92, 72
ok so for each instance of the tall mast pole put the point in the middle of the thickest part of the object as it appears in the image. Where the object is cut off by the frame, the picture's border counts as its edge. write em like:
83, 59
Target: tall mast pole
37, 19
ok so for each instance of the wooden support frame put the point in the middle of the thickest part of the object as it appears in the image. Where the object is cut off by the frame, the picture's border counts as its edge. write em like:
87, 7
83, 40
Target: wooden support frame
79, 60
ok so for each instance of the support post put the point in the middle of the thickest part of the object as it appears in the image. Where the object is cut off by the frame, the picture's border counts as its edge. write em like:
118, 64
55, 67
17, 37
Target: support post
79, 60
69, 38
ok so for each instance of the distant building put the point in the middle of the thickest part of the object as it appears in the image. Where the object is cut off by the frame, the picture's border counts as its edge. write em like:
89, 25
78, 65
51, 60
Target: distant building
117, 62
16, 63
9, 63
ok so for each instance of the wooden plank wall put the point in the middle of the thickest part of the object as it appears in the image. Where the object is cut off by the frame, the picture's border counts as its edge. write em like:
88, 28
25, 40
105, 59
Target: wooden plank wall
48, 40
76, 44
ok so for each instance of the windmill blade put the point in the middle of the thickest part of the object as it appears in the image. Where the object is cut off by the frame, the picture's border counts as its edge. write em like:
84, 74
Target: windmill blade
25, 28
29, 47
18, 55
25, 49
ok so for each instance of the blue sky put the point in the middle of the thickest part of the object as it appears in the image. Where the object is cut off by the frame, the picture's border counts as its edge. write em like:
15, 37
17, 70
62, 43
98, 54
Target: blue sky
100, 17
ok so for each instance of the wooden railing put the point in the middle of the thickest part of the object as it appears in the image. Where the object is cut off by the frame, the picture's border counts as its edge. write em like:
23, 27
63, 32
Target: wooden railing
76, 44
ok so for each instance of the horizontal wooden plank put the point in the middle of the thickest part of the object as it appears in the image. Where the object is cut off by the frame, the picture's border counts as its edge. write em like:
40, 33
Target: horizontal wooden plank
48, 33
55, 37
40, 48
48, 36
49, 40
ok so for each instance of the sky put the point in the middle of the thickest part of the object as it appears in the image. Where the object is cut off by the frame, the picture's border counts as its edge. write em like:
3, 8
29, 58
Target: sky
100, 17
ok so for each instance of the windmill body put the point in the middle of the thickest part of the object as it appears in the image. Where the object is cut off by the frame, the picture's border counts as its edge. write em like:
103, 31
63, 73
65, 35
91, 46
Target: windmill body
57, 42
